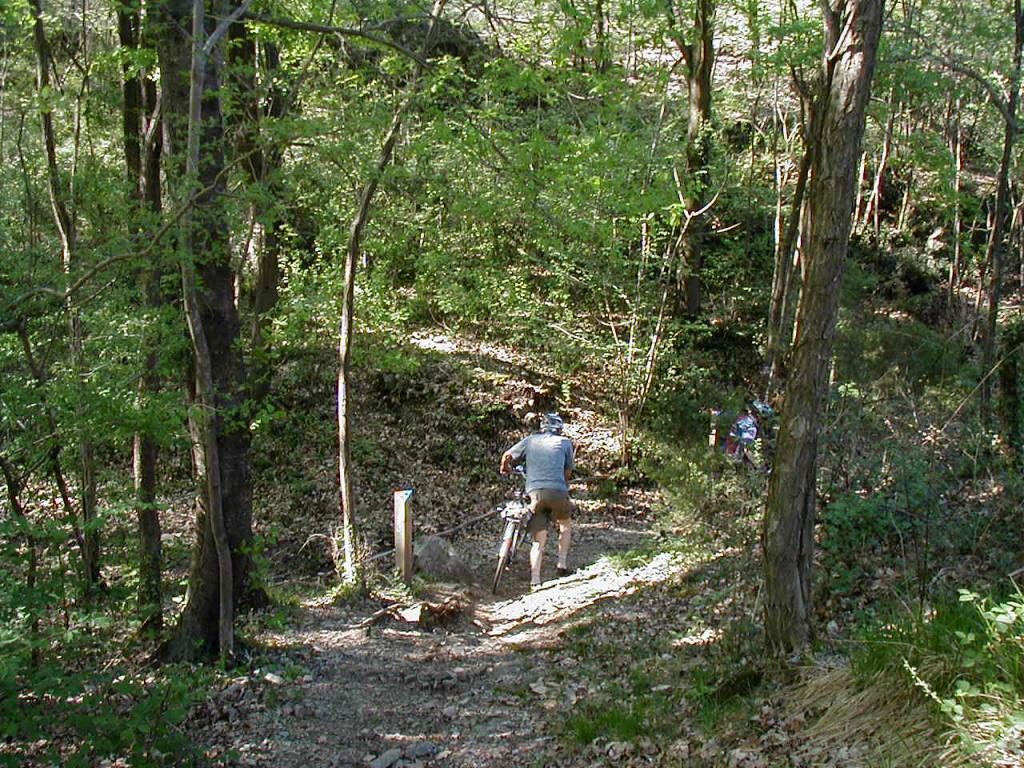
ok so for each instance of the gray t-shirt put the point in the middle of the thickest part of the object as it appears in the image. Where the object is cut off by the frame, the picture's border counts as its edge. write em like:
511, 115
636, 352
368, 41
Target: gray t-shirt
547, 457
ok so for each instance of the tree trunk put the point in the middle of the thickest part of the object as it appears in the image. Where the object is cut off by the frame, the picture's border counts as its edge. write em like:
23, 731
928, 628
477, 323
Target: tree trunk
1009, 390
956, 260
997, 234
858, 202
836, 129
218, 581
14, 485
1017, 240
261, 166
355, 240
65, 223
700, 60
54, 450
907, 202
872, 210
602, 54
142, 160
780, 312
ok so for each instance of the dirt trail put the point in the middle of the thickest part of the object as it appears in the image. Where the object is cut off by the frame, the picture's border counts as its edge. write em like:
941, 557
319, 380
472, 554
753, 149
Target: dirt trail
352, 692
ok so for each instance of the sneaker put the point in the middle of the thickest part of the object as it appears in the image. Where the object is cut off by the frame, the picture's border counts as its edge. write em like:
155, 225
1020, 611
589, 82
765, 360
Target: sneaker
562, 572
534, 586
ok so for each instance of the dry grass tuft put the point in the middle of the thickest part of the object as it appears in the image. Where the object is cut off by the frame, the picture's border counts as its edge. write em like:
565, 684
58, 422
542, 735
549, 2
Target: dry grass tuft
881, 724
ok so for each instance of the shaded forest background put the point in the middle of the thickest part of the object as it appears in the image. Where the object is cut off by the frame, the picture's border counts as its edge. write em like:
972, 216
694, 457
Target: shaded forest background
244, 254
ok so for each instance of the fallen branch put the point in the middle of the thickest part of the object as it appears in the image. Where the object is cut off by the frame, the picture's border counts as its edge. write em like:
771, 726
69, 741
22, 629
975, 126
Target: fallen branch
376, 616
419, 612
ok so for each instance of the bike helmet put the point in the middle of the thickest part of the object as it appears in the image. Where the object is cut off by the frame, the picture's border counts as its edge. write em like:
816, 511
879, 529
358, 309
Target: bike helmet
551, 422
762, 408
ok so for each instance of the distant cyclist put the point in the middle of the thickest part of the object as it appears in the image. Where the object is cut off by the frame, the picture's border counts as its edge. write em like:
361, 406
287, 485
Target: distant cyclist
549, 460
746, 429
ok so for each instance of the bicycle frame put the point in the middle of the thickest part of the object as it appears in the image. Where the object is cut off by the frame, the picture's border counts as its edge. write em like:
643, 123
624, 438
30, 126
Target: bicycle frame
516, 515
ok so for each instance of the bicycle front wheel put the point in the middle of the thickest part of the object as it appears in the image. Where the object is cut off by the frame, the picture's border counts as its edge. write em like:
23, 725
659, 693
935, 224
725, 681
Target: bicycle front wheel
503, 555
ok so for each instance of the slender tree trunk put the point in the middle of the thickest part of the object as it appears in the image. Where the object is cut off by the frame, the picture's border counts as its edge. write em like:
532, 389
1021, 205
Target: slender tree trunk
956, 261
642, 348
1009, 390
56, 468
262, 165
751, 11
1017, 241
700, 62
997, 234
780, 313
602, 55
355, 241
907, 202
859, 203
14, 485
142, 160
64, 220
872, 209
836, 129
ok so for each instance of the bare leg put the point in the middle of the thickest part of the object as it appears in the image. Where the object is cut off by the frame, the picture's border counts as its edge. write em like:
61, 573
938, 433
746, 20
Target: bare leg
564, 541
540, 538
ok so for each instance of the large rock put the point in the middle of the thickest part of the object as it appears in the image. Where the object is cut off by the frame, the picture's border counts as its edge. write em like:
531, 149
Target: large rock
436, 558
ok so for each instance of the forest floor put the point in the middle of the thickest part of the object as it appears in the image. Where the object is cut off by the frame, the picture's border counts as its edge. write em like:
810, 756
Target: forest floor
486, 678
628, 661
631, 660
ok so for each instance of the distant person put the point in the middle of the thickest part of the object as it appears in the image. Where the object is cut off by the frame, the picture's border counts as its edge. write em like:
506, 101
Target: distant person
752, 425
742, 433
549, 460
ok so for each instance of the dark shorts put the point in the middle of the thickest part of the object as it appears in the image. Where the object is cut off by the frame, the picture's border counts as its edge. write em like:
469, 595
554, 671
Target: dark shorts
549, 504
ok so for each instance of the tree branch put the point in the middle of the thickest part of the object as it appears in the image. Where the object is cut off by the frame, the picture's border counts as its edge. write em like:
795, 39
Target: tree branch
328, 29
997, 98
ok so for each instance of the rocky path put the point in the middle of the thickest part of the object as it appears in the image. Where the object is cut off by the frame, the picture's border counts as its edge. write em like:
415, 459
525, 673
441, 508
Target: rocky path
348, 689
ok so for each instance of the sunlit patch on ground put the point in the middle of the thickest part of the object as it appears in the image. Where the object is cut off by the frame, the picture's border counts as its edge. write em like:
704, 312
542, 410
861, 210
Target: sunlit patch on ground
705, 637
561, 597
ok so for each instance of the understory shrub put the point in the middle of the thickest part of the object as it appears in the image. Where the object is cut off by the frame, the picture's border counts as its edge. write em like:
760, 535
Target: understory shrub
967, 657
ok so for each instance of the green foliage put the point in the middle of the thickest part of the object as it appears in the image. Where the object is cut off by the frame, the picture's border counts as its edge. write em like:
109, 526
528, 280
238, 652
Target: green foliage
78, 719
720, 691
624, 723
632, 704
853, 528
966, 656
896, 351
682, 472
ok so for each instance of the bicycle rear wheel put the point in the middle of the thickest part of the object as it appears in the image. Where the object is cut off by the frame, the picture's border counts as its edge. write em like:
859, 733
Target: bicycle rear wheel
504, 552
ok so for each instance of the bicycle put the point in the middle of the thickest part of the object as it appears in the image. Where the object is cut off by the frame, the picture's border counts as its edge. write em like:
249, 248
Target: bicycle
516, 515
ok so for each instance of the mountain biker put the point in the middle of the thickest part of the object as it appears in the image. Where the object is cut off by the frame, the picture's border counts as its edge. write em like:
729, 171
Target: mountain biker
742, 433
746, 429
549, 459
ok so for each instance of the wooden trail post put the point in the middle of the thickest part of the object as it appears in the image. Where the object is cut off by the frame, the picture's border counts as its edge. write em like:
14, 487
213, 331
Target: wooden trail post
403, 534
